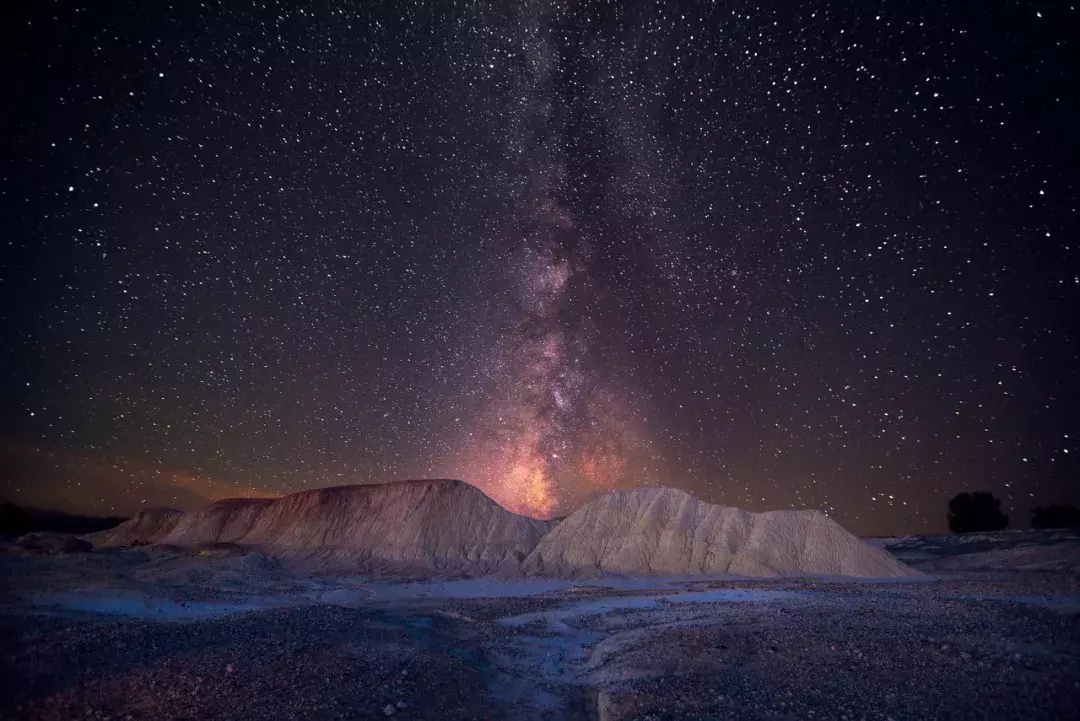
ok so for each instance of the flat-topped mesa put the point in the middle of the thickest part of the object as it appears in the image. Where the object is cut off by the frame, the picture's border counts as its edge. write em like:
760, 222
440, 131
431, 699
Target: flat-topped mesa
665, 530
438, 525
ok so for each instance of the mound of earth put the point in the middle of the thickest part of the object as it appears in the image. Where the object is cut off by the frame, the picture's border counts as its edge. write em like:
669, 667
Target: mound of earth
665, 530
149, 525
431, 525
444, 526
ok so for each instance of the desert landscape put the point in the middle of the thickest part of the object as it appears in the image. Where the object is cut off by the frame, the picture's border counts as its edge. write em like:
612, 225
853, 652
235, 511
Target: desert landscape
749, 327
425, 599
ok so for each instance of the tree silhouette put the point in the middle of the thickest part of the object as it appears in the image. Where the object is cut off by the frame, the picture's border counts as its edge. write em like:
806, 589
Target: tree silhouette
1055, 516
14, 521
978, 511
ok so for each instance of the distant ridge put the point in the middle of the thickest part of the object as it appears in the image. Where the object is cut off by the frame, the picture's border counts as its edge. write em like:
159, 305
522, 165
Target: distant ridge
18, 520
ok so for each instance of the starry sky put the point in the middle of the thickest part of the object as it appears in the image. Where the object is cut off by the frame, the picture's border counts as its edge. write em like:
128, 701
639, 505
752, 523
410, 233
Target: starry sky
777, 254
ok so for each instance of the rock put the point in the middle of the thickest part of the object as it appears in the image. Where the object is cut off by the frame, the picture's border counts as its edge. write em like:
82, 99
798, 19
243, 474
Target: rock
388, 709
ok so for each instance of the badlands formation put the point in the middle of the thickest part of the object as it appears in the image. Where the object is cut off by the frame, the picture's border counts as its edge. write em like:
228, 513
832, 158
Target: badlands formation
441, 526
307, 607
444, 526
665, 530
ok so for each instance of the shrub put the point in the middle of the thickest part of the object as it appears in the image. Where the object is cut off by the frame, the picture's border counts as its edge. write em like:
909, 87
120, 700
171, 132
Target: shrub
978, 511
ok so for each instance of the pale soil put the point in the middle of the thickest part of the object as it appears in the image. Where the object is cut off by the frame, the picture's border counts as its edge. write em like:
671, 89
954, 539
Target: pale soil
1001, 645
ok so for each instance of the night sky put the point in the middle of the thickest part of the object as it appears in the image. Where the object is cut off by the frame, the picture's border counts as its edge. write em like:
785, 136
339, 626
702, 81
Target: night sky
779, 254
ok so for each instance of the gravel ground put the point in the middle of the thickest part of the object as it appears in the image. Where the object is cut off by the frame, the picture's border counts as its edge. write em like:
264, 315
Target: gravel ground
870, 658
970, 646
311, 663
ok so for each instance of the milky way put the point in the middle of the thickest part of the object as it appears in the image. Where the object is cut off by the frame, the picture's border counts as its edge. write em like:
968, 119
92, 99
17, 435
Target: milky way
812, 255
551, 426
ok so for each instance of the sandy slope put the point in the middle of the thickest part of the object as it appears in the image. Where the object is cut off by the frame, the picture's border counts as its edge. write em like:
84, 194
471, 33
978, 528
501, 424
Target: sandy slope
149, 525
432, 525
667, 530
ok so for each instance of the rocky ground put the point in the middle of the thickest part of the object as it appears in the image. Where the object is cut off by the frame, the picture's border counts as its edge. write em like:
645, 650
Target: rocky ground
1001, 645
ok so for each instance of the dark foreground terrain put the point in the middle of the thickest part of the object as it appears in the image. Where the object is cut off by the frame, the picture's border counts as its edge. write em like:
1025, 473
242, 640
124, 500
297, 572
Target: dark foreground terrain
987, 645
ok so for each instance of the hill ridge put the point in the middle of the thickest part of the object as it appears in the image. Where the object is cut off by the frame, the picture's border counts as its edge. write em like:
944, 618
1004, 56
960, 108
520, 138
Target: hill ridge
447, 525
